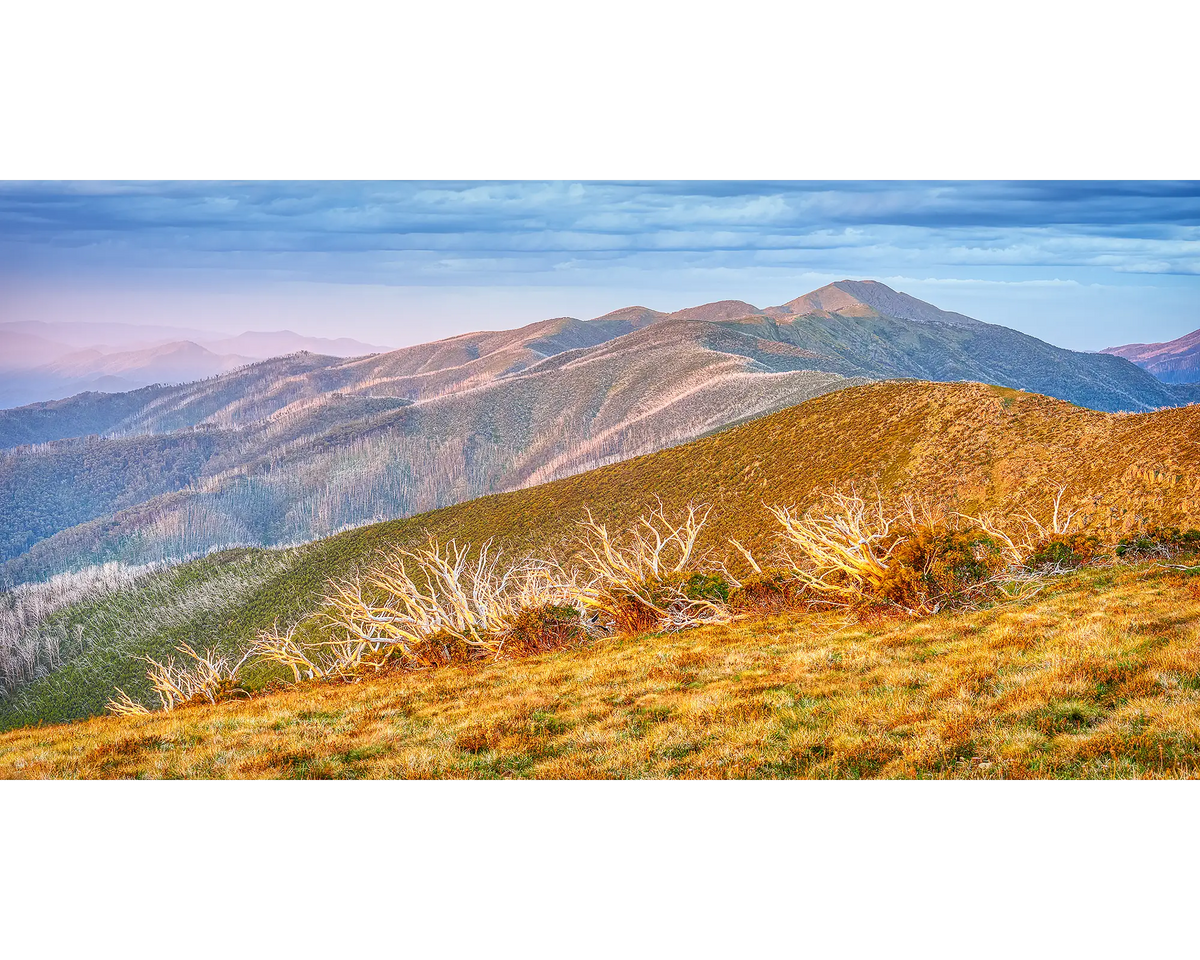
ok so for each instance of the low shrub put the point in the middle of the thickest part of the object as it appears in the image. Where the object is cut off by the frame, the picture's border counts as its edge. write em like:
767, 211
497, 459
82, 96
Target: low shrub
650, 577
852, 552
767, 591
444, 603
662, 603
1064, 551
635, 608
705, 586
549, 626
202, 677
1161, 542
937, 566
433, 606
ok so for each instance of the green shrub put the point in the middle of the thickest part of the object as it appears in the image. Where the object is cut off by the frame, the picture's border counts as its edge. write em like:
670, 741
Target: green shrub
1065, 550
650, 576
705, 586
1159, 542
934, 567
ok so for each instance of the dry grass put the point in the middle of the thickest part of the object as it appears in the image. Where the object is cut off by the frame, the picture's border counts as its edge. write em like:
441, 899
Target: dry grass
444, 604
1098, 676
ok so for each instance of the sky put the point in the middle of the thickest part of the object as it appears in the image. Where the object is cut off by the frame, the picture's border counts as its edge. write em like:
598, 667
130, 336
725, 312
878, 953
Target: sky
1080, 264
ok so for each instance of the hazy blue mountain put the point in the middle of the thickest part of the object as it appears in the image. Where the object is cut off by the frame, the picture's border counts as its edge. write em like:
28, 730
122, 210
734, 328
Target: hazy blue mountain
261, 345
43, 361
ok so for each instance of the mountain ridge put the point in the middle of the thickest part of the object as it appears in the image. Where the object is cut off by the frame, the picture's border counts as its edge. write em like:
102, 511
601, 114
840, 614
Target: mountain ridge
1173, 361
299, 446
40, 368
872, 298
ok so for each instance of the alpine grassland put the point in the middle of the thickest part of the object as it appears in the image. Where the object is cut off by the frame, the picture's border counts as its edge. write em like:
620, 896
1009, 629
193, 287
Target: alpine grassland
898, 580
1098, 675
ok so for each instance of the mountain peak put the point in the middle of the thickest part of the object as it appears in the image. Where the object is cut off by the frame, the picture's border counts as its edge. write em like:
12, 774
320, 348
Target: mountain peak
718, 311
870, 298
637, 316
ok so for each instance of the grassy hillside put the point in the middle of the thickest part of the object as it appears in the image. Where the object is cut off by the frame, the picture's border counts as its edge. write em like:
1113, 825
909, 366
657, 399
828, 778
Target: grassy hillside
1097, 676
93, 646
975, 446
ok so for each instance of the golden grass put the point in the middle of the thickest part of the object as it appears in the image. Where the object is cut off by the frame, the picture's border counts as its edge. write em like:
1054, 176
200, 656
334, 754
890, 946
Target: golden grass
961, 446
1097, 676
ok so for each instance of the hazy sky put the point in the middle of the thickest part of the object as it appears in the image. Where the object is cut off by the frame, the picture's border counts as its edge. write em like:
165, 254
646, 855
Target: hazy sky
1081, 264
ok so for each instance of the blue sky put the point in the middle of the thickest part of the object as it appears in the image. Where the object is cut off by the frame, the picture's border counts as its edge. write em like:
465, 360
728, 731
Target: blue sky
1081, 264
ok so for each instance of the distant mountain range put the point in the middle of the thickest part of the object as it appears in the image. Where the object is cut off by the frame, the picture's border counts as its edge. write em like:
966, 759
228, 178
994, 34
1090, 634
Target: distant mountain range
1177, 361
43, 361
299, 446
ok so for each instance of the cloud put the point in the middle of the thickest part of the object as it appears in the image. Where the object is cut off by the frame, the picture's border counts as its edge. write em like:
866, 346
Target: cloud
683, 240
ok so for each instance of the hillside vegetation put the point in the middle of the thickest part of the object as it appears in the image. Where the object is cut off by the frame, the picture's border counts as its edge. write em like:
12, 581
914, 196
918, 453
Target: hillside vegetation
302, 446
967, 446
